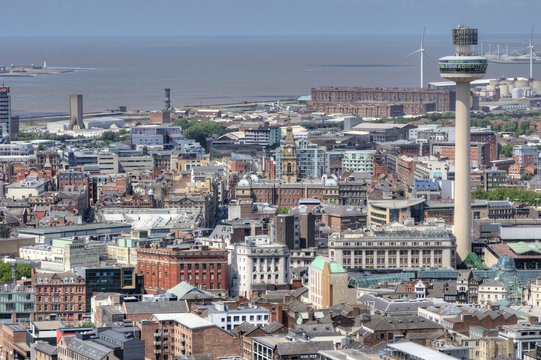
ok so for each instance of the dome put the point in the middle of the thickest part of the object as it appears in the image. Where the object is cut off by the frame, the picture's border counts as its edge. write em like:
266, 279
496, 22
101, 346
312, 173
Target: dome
243, 183
330, 182
506, 263
254, 178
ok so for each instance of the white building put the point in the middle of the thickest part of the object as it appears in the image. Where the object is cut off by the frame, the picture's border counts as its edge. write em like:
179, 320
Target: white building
394, 246
256, 264
535, 293
36, 252
358, 161
16, 149
31, 187
65, 254
431, 168
524, 337
227, 319
491, 291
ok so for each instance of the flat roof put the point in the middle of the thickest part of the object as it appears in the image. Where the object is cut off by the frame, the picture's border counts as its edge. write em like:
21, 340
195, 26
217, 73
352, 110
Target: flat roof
396, 204
73, 228
420, 352
188, 320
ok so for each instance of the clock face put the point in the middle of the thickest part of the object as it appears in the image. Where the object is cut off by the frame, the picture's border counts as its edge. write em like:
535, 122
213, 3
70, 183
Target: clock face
289, 150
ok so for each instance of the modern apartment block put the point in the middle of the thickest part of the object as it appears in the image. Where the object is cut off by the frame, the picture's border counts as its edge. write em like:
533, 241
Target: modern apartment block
5, 113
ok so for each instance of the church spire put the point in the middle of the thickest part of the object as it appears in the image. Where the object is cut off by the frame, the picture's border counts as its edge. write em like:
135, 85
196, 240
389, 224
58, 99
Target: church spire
289, 133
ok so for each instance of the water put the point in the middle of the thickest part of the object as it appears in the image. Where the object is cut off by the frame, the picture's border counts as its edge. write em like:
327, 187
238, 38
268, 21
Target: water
133, 71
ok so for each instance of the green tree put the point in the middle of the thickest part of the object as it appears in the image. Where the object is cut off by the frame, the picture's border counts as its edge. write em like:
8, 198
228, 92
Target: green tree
22, 270
201, 130
512, 194
506, 150
110, 136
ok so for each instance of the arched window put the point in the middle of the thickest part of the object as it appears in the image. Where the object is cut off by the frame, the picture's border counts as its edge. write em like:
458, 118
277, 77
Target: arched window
288, 168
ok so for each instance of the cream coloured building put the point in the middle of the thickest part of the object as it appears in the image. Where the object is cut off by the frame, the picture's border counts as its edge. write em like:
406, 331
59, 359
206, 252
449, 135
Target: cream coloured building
327, 283
381, 212
491, 291
257, 263
535, 293
394, 246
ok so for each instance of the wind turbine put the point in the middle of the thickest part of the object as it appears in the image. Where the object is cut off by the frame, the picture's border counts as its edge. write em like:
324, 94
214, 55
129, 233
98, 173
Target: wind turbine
530, 46
421, 51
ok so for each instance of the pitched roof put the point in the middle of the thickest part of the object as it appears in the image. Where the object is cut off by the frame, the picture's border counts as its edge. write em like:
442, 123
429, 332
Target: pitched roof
158, 307
334, 267
185, 291
88, 349
303, 348
384, 323
46, 348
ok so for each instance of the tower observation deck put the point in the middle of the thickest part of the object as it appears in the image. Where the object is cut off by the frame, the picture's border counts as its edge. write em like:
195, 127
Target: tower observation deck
463, 68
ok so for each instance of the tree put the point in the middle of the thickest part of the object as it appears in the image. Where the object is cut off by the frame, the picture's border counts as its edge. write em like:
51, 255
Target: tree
22, 270
506, 150
512, 194
201, 130
110, 136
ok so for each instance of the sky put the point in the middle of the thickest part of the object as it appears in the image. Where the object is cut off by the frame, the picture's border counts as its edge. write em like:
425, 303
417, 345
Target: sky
263, 17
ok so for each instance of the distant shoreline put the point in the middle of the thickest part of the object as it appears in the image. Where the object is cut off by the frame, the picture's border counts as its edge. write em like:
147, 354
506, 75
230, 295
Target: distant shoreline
33, 72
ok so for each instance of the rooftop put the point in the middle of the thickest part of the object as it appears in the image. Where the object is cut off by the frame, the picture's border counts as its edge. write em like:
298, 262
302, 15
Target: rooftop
334, 267
420, 352
188, 320
397, 204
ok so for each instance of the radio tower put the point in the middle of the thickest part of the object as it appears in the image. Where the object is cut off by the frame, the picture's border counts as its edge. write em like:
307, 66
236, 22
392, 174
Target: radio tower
463, 68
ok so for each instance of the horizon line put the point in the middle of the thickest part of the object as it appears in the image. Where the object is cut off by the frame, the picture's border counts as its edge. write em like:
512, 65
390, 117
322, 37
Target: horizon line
242, 35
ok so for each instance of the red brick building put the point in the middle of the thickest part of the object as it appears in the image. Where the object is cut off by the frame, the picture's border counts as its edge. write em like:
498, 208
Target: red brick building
70, 180
411, 99
59, 296
486, 136
479, 153
163, 268
175, 336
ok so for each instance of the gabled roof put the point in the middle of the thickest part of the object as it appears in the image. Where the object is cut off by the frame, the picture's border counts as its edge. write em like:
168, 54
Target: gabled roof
185, 291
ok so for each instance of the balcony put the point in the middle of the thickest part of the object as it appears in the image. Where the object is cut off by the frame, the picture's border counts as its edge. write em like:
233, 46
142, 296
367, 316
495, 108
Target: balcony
157, 351
157, 334
157, 342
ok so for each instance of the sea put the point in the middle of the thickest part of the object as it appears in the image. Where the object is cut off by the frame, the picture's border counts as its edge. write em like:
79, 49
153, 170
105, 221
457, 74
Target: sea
206, 70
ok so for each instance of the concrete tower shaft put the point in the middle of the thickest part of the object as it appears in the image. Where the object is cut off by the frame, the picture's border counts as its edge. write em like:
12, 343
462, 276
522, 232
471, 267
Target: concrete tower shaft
463, 69
76, 112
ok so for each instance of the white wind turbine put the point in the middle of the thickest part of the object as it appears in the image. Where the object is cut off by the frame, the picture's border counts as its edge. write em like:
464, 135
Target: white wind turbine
531, 47
421, 51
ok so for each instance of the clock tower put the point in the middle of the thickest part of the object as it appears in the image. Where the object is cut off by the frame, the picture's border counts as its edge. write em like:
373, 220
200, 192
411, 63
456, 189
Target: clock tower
289, 157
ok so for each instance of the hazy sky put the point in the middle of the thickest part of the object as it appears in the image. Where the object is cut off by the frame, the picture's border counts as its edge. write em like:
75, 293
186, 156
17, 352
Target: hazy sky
178, 17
